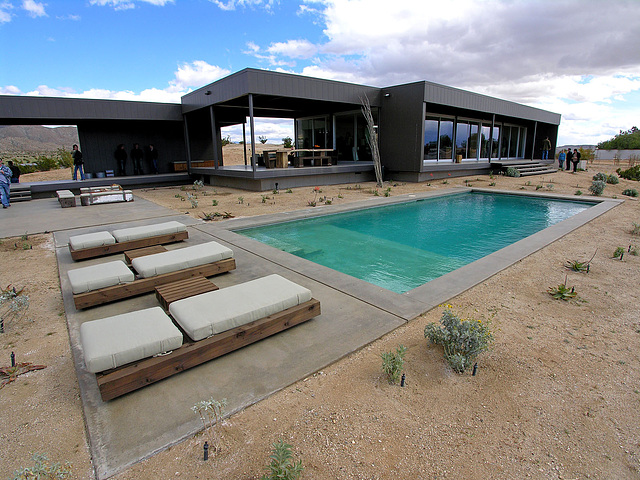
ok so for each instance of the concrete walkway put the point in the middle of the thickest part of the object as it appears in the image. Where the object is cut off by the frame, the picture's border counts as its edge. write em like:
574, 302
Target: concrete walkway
354, 313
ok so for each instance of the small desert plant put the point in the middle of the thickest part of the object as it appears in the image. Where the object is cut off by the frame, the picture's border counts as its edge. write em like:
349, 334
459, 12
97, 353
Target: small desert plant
262, 139
613, 179
463, 339
226, 140
282, 466
636, 229
618, 253
240, 200
210, 412
578, 192
630, 192
14, 304
198, 184
392, 363
562, 292
193, 199
289, 191
43, 469
597, 187
578, 266
265, 198
492, 184
214, 202
207, 217
512, 172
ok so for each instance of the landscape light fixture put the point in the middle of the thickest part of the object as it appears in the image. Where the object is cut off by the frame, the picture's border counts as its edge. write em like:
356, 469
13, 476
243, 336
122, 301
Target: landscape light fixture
208, 92
387, 94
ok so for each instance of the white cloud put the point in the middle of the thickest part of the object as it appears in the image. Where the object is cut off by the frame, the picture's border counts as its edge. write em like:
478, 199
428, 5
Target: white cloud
293, 49
5, 12
128, 4
188, 76
34, 9
231, 5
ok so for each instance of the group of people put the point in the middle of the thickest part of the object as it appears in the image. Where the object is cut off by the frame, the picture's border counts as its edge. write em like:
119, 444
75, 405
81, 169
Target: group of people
569, 157
136, 154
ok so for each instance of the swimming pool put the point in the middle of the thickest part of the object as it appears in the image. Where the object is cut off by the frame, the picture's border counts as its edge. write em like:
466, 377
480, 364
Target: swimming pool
400, 247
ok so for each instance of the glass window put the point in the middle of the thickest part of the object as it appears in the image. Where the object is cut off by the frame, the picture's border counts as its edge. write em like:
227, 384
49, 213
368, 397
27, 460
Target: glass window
319, 133
495, 142
431, 139
445, 148
513, 143
504, 142
462, 138
472, 151
485, 141
522, 141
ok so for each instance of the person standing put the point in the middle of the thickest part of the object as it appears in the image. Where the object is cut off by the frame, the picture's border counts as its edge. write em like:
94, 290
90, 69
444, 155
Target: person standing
15, 172
5, 184
152, 156
76, 154
561, 158
136, 158
121, 159
546, 146
569, 158
575, 158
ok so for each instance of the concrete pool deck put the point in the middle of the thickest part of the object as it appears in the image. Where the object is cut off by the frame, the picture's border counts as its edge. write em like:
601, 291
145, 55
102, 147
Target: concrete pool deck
354, 313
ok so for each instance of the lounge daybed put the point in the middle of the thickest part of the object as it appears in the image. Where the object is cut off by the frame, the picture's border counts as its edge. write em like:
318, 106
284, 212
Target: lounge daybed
66, 198
108, 194
136, 349
110, 281
91, 245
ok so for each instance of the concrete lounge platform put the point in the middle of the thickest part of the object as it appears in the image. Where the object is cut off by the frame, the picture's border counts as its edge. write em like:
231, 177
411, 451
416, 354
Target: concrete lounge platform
354, 313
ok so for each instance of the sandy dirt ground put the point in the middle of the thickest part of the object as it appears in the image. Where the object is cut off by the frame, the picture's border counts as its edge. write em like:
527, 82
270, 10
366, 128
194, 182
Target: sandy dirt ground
558, 395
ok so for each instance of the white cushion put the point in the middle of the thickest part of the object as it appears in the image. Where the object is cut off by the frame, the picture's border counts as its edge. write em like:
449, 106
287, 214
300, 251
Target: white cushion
89, 240
174, 260
209, 313
146, 231
110, 342
98, 276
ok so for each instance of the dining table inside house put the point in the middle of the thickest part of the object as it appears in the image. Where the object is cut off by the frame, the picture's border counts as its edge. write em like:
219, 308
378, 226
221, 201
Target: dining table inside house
315, 156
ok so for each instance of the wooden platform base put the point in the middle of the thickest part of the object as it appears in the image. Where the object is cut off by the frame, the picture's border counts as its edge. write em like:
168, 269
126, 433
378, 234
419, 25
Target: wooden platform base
120, 247
125, 379
146, 285
143, 252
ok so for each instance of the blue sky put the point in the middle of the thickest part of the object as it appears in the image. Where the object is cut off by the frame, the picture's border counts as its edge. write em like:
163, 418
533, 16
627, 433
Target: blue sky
579, 58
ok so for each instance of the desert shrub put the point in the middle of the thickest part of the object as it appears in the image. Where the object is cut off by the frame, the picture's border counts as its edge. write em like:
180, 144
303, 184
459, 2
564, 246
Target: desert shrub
43, 469
226, 140
287, 142
613, 179
392, 363
282, 466
262, 139
602, 177
45, 163
636, 229
512, 172
14, 304
597, 187
26, 167
463, 339
630, 192
632, 173
65, 160
578, 192
618, 253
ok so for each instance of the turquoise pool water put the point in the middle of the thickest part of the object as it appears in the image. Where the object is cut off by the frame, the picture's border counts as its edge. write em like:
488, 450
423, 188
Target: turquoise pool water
400, 247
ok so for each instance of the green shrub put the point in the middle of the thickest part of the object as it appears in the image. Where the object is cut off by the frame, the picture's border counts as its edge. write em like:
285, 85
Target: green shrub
287, 142
578, 192
392, 363
632, 173
600, 177
512, 172
65, 160
630, 192
45, 163
613, 179
597, 187
618, 253
43, 469
463, 339
282, 466
226, 140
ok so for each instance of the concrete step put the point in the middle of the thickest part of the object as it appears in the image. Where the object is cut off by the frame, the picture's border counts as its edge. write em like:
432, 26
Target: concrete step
541, 171
19, 193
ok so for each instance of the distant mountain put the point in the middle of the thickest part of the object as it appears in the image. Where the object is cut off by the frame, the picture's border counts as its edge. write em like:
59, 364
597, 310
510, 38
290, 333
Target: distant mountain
31, 140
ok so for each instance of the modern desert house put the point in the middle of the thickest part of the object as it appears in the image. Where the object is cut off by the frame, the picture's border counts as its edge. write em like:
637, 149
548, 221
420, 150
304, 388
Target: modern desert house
425, 130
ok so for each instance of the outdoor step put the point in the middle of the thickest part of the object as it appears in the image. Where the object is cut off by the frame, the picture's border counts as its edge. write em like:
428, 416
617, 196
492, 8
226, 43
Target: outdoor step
538, 172
20, 193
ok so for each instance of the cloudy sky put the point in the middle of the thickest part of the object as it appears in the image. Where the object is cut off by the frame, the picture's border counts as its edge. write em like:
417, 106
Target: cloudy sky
579, 58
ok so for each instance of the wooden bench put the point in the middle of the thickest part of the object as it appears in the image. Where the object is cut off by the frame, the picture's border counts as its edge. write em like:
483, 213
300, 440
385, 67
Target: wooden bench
171, 292
128, 378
